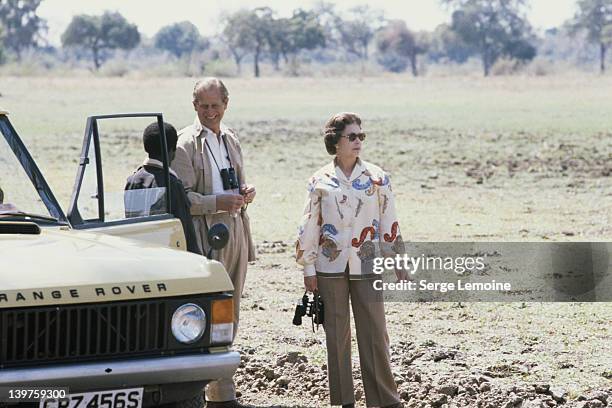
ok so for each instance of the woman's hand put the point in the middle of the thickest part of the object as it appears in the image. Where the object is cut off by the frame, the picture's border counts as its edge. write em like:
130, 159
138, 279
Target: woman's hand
310, 283
401, 274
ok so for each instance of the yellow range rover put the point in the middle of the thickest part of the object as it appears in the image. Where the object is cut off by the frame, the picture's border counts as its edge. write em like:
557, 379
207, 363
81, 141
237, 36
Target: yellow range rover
109, 306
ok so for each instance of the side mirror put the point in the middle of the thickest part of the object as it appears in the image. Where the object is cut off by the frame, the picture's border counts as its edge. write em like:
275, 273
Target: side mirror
218, 235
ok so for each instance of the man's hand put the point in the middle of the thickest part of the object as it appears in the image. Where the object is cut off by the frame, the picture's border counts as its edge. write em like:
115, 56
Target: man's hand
310, 283
229, 202
248, 192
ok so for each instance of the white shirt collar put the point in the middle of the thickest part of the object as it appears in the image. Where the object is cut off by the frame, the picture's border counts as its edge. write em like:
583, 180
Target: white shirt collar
156, 163
358, 170
199, 127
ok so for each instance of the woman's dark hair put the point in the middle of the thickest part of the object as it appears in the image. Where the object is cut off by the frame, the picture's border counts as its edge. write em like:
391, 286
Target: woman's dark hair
335, 126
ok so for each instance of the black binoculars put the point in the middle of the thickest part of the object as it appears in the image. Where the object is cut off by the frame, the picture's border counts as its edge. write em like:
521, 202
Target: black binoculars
229, 179
312, 308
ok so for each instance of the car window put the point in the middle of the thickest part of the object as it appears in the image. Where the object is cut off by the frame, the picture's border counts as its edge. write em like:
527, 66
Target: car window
17, 192
144, 202
121, 155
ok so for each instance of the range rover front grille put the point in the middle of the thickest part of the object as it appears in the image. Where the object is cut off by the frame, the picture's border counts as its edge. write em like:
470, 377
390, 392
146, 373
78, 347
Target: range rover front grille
95, 331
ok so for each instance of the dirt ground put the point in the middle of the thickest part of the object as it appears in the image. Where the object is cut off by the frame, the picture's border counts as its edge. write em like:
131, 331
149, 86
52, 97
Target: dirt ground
502, 159
511, 186
443, 354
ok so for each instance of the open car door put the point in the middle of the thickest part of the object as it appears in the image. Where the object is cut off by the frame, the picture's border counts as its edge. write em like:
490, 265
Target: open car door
112, 151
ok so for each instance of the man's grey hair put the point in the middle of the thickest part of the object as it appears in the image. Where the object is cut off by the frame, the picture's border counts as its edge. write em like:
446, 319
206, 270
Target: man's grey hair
208, 84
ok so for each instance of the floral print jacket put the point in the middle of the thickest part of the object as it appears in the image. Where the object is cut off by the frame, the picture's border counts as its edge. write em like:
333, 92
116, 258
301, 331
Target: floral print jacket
347, 222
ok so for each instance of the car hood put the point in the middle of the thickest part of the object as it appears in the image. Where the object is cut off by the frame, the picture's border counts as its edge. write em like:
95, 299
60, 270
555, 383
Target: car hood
61, 266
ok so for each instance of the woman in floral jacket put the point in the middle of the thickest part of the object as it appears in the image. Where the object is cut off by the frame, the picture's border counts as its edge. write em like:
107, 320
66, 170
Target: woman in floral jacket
349, 219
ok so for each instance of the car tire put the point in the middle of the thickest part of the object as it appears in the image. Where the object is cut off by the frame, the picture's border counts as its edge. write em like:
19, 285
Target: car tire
194, 402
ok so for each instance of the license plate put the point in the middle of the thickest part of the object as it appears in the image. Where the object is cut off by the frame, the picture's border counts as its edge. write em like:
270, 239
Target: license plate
128, 398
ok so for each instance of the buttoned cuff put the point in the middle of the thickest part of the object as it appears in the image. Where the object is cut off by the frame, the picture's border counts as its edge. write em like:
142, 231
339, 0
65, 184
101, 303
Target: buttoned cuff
309, 270
205, 204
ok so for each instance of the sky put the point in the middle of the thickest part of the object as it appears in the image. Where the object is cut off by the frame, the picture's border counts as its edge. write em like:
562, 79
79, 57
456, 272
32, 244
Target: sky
418, 14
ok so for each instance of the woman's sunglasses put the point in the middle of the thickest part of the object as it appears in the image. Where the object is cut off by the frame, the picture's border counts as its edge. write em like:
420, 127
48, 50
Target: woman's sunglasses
352, 136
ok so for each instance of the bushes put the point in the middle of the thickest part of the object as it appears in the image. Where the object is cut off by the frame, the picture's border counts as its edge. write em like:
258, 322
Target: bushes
143, 62
505, 66
540, 67
393, 62
220, 68
114, 68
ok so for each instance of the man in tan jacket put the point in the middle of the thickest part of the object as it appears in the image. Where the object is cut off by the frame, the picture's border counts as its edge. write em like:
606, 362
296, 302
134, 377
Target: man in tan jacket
205, 153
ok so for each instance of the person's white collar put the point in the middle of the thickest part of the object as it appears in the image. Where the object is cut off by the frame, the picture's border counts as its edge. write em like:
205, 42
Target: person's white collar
210, 133
156, 163
199, 127
358, 170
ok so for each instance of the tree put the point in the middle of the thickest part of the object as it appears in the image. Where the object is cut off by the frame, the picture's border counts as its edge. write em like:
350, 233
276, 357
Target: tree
22, 27
595, 17
2, 56
260, 23
100, 33
496, 28
563, 44
358, 30
398, 46
180, 39
249, 30
236, 40
328, 19
289, 36
446, 44
305, 31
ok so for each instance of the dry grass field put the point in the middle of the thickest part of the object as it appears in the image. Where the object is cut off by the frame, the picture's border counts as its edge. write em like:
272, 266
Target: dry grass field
471, 159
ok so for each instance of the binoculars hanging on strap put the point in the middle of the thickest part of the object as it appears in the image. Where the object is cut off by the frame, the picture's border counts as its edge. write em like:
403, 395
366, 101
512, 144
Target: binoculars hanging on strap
311, 306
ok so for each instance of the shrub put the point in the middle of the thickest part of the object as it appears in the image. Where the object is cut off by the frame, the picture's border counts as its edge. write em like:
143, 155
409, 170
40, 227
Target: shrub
505, 66
220, 68
114, 68
540, 67
393, 62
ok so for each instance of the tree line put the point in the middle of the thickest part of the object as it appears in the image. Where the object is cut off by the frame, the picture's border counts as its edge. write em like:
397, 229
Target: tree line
487, 29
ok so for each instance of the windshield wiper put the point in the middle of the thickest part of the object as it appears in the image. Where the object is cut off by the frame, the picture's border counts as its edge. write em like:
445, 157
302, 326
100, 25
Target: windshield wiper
4, 216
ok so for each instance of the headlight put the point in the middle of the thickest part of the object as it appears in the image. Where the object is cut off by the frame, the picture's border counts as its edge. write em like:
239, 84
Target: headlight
188, 323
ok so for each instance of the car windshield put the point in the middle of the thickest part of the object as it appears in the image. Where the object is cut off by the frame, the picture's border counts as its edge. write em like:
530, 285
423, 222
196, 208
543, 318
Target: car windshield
22, 190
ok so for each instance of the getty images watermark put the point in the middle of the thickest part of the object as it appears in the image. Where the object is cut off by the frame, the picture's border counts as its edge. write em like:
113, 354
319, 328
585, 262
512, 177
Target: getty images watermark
459, 265
495, 272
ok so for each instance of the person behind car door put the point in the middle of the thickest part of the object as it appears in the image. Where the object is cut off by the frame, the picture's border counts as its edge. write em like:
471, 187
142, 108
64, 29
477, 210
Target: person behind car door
151, 175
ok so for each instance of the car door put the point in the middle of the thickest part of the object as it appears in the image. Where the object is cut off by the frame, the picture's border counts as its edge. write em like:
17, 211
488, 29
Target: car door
112, 150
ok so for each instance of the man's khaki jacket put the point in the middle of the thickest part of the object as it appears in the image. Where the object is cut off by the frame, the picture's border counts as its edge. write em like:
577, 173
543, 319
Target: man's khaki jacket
194, 168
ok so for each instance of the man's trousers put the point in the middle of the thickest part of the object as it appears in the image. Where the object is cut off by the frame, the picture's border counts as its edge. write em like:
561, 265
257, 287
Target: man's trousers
235, 259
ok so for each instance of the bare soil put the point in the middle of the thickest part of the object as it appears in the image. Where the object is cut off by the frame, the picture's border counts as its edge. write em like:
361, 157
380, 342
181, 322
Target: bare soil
471, 159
